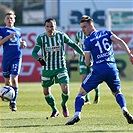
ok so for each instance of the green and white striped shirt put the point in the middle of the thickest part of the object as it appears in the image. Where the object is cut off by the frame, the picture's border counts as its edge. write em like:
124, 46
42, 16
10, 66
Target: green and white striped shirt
80, 37
53, 49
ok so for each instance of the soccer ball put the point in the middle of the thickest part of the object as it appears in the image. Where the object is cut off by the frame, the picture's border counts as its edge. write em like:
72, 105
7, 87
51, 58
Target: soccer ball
7, 93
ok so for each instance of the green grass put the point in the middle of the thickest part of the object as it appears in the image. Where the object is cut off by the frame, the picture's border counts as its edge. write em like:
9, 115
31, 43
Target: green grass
33, 110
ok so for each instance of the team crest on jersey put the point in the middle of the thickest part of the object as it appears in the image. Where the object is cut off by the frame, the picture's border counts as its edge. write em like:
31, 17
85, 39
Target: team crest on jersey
14, 39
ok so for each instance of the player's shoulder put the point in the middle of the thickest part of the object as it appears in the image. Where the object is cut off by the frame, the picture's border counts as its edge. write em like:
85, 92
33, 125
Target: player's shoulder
3, 28
60, 32
104, 31
42, 34
16, 28
79, 31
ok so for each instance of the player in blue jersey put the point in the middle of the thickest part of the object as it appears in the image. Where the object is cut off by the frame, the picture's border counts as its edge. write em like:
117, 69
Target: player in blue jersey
99, 45
11, 40
83, 69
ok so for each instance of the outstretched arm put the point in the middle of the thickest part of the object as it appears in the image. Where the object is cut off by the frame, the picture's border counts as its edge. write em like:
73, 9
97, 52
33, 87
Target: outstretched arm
119, 41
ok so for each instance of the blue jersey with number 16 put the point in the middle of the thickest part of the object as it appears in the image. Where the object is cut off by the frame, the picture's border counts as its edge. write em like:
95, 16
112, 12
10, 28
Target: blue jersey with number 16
100, 46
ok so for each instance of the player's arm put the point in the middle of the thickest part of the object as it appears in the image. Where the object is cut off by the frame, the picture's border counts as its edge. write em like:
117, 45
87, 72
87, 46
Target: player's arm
125, 47
5, 39
36, 50
87, 58
73, 45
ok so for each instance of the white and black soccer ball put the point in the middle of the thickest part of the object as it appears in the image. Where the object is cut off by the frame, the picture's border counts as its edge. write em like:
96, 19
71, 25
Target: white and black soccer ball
7, 93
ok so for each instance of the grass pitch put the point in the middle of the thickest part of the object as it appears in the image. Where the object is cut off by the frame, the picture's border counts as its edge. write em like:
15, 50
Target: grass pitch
33, 110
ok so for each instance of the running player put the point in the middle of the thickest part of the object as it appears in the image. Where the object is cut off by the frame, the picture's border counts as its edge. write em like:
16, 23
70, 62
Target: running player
11, 40
83, 69
52, 45
99, 45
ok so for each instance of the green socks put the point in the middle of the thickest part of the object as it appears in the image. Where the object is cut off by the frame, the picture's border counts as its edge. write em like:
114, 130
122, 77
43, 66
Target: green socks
87, 97
51, 101
97, 90
64, 99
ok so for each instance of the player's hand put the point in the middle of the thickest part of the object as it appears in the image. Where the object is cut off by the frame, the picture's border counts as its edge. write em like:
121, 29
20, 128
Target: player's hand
42, 62
74, 55
23, 44
12, 35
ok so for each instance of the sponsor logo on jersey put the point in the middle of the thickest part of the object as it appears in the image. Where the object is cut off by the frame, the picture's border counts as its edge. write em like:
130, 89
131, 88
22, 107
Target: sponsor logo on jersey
12, 44
53, 48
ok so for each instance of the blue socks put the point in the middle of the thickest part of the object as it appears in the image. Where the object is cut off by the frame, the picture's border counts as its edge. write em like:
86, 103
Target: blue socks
121, 100
79, 102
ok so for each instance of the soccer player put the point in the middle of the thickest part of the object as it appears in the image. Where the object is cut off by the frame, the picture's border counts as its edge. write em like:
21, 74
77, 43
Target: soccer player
11, 40
83, 69
52, 45
99, 45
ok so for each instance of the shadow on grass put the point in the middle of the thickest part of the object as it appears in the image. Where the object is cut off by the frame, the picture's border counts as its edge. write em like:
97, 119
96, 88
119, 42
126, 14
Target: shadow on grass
90, 131
61, 125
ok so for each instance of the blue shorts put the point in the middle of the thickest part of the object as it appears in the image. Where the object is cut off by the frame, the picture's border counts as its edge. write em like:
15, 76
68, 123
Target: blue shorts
11, 67
94, 78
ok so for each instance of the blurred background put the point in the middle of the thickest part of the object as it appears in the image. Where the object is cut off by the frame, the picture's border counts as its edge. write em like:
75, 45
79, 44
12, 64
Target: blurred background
115, 15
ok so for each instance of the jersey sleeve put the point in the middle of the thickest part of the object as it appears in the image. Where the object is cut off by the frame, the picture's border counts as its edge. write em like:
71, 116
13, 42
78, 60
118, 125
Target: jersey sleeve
110, 33
36, 48
72, 44
76, 38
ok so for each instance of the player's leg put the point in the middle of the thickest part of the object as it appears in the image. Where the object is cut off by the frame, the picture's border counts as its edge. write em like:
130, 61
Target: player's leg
6, 66
15, 70
7, 81
84, 70
122, 103
63, 79
79, 102
114, 84
47, 81
87, 96
51, 101
90, 82
65, 96
97, 95
14, 80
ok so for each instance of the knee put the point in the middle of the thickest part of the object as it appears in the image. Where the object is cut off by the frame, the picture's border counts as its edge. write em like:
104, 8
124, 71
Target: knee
46, 91
65, 88
117, 92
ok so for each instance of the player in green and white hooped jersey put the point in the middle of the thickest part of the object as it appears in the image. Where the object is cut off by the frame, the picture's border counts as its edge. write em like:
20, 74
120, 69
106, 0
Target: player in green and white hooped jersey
52, 45
84, 70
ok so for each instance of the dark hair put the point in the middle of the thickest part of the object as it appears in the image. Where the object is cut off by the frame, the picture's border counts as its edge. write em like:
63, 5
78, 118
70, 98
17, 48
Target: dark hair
87, 19
10, 13
49, 20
